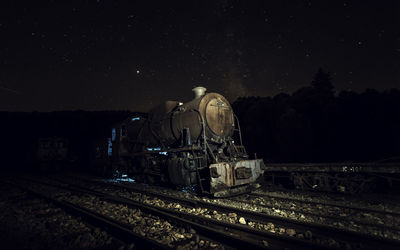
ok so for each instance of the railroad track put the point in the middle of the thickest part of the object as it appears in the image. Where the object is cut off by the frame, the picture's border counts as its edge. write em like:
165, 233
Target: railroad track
326, 203
322, 236
232, 235
343, 213
114, 227
341, 200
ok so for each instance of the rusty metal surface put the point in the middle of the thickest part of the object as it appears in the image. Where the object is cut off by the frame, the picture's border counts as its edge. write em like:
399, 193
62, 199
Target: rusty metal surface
188, 119
227, 175
166, 122
219, 117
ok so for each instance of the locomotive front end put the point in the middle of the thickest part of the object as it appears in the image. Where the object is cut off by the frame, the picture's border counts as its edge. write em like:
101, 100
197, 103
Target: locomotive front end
230, 178
231, 172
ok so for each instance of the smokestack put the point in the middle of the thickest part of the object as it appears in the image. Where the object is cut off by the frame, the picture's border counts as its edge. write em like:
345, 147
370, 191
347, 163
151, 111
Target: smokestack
199, 92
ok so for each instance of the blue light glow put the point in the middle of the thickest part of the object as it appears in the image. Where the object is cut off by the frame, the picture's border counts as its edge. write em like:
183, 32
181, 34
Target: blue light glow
126, 180
135, 118
117, 178
188, 189
113, 134
163, 153
109, 147
153, 149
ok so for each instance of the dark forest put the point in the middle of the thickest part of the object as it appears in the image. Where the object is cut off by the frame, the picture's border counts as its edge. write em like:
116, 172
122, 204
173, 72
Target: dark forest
315, 124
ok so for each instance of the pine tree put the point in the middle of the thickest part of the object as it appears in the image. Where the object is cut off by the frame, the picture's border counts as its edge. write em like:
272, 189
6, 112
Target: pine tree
322, 82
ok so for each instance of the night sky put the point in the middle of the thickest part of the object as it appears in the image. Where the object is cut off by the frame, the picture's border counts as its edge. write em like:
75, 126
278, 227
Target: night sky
107, 55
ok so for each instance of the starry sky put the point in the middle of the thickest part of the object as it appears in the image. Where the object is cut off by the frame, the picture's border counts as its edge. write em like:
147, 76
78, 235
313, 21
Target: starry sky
109, 55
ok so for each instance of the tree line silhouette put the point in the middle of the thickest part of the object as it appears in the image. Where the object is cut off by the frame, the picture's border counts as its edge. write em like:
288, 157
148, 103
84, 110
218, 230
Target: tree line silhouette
316, 125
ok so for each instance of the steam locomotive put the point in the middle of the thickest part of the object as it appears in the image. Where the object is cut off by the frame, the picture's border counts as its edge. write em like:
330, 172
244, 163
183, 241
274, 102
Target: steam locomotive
189, 145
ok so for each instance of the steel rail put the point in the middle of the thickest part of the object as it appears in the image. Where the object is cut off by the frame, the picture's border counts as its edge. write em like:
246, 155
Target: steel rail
370, 210
238, 236
117, 229
331, 217
318, 230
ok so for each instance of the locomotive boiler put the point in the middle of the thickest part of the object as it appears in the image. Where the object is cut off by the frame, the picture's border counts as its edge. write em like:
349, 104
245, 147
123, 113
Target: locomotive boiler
189, 145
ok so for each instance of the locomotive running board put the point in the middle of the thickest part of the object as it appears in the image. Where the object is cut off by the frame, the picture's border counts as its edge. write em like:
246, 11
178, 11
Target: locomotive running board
235, 176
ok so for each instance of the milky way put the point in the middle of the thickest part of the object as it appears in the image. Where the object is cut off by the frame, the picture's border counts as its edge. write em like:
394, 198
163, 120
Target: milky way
106, 55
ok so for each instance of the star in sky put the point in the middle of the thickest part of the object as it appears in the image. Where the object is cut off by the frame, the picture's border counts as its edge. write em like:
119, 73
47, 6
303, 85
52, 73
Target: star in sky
55, 55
